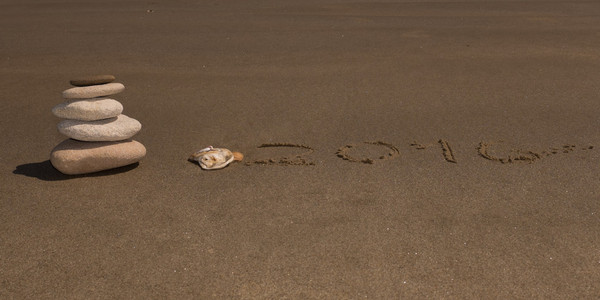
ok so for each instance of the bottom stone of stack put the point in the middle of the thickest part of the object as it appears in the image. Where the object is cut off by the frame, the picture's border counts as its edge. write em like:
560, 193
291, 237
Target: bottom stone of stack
74, 157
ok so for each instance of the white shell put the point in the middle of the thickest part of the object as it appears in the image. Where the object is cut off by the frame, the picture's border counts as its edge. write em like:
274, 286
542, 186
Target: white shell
211, 158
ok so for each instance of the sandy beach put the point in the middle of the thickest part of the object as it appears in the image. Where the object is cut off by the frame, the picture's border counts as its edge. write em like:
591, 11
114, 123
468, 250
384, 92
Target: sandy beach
393, 150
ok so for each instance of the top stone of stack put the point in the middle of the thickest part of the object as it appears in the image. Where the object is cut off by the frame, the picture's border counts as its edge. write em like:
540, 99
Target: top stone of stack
92, 87
93, 91
92, 80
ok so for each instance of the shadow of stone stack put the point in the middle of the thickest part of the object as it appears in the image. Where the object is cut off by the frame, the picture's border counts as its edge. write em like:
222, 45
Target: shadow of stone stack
99, 134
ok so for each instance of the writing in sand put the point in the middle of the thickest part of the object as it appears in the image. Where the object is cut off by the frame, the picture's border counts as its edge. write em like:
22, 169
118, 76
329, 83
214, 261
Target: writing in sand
371, 152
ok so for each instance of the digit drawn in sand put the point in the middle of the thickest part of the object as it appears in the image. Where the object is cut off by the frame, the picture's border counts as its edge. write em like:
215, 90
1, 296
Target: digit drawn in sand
447, 151
343, 152
517, 155
297, 160
566, 149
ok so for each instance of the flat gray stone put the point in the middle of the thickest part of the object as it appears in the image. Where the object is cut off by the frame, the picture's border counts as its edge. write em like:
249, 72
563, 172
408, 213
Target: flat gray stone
93, 91
92, 80
88, 109
73, 157
118, 128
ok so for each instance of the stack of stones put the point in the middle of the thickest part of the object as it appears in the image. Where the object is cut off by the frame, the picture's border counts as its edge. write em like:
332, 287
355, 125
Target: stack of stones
99, 135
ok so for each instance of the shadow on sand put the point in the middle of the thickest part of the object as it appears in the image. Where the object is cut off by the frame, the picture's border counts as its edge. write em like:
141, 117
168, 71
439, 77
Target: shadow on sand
45, 171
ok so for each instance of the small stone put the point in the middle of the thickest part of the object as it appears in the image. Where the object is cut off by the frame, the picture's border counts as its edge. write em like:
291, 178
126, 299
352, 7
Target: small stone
93, 91
73, 157
113, 129
92, 80
88, 109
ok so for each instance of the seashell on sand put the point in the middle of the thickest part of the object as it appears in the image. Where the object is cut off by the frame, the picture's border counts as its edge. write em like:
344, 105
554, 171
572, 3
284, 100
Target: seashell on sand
211, 158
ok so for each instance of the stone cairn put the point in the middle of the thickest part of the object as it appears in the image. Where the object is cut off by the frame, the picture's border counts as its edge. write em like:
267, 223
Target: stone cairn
99, 135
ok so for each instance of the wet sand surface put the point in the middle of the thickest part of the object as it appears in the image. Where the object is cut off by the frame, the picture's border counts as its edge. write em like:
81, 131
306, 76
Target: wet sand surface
392, 150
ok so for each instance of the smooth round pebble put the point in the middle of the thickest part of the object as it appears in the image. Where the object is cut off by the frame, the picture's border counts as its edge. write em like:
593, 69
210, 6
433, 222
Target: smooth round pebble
73, 157
92, 80
93, 91
113, 129
88, 109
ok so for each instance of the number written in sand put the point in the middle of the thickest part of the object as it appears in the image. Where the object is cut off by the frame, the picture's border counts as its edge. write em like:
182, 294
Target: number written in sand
446, 150
291, 160
345, 152
372, 152
493, 151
